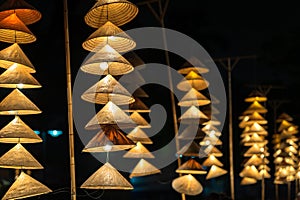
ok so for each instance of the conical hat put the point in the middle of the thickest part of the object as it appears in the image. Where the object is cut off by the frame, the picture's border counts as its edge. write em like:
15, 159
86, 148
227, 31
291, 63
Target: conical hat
191, 167
251, 172
13, 30
255, 107
210, 130
17, 77
256, 96
119, 12
212, 160
109, 34
197, 66
256, 128
213, 120
254, 149
16, 103
192, 80
190, 149
210, 140
191, 132
193, 98
215, 171
253, 139
284, 125
139, 120
193, 115
139, 151
140, 93
255, 117
26, 12
106, 61
17, 131
210, 110
137, 106
25, 186
109, 139
284, 116
107, 89
187, 184
143, 168
254, 160
212, 150
14, 54
107, 177
248, 181
264, 173
138, 135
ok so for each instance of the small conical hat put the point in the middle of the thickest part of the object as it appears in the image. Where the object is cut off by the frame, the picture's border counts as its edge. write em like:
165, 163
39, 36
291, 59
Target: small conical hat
213, 120
106, 61
248, 181
191, 132
14, 54
210, 140
26, 12
25, 186
19, 158
193, 114
254, 149
191, 167
107, 177
137, 106
284, 125
210, 130
212, 160
107, 89
193, 98
284, 116
212, 150
190, 149
143, 168
256, 128
192, 80
253, 139
13, 30
215, 171
187, 184
255, 117
16, 103
255, 107
138, 135
251, 172
264, 173
17, 131
139, 120
197, 66
256, 96
139, 151
109, 34
17, 77
254, 160
119, 12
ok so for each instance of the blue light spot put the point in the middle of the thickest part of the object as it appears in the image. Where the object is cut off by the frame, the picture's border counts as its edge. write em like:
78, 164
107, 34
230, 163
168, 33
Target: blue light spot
37, 132
55, 133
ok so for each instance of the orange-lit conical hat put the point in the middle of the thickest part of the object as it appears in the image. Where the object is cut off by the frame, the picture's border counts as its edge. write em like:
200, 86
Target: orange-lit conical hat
190, 149
248, 181
255, 107
193, 98
264, 173
212, 160
143, 168
187, 184
193, 115
191, 132
210, 140
192, 80
138, 135
254, 160
255, 128
284, 116
191, 167
197, 66
139, 151
255, 117
256, 96
215, 171
139, 120
251, 172
212, 150
254, 149
284, 125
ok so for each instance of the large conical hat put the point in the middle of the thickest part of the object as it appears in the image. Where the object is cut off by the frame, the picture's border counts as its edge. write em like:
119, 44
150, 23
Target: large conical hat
14, 54
256, 96
284, 116
248, 181
212, 160
190, 149
191, 167
139, 120
143, 168
13, 30
119, 12
17, 131
193, 115
139, 151
16, 103
187, 184
193, 98
255, 107
254, 160
109, 34
284, 125
197, 66
138, 135
107, 89
106, 61
26, 12
191, 132
215, 171
107, 177
192, 80
25, 186
251, 172
137, 106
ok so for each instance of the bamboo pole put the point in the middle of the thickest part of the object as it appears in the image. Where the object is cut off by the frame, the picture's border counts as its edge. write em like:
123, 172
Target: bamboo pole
289, 190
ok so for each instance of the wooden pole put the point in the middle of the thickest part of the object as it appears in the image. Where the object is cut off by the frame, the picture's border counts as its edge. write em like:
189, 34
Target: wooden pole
276, 192
289, 190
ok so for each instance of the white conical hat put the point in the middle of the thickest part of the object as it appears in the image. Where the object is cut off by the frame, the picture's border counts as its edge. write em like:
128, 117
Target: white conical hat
139, 120
143, 168
187, 184
215, 171
139, 151
138, 135
193, 98
193, 114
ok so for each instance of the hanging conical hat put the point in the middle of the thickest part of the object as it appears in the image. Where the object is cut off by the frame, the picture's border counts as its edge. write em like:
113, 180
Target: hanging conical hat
197, 67
143, 168
17, 131
25, 186
254, 160
248, 181
192, 80
134, 59
26, 12
264, 173
215, 171
190, 149
210, 130
187, 184
110, 114
191, 132
16, 103
138, 135
255, 117
14, 54
213, 121
193, 115
106, 61
137, 106
193, 98
17, 77
256, 128
109, 34
191, 167
109, 139
107, 177
254, 149
140, 93
253, 139
13, 30
256, 96
210, 140
212, 150
250, 172
264, 167
107, 89
284, 116
255, 107
139, 120
284, 125
210, 110
139, 151
212, 160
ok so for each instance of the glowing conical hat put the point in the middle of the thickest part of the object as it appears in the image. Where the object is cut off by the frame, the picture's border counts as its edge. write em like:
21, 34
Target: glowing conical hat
264, 173
212, 150
192, 80
256, 96
16, 103
291, 149
191, 167
187, 184
139, 151
251, 172
254, 160
190, 149
26, 12
137, 106
284, 116
193, 114
292, 130
110, 114
215, 171
210, 130
139, 120
106, 61
14, 54
255, 117
143, 168
25, 186
109, 139
253, 139
255, 107
213, 121
107, 89
284, 125
256, 128
138, 135
197, 66
19, 158
248, 181
13, 30
109, 34
191, 132
254, 149
17, 77
17, 131
107, 177
212, 160
265, 167
210, 140
193, 98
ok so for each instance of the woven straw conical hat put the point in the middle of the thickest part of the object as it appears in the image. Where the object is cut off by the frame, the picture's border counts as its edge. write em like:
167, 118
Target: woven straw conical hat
193, 64
109, 34
13, 30
284, 125
191, 167
210, 130
191, 132
251, 172
256, 96
255, 128
138, 135
137, 106
255, 107
107, 177
190, 149
25, 186
193, 98
143, 168
212, 160
105, 90
19, 158
212, 150
16, 103
17, 131
187, 184
193, 114
119, 12
254, 160
192, 80
14, 54
139, 120
139, 151
215, 171
254, 149
248, 181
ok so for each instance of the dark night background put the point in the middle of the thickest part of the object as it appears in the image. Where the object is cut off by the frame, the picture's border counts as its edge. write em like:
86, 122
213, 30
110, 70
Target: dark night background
224, 29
